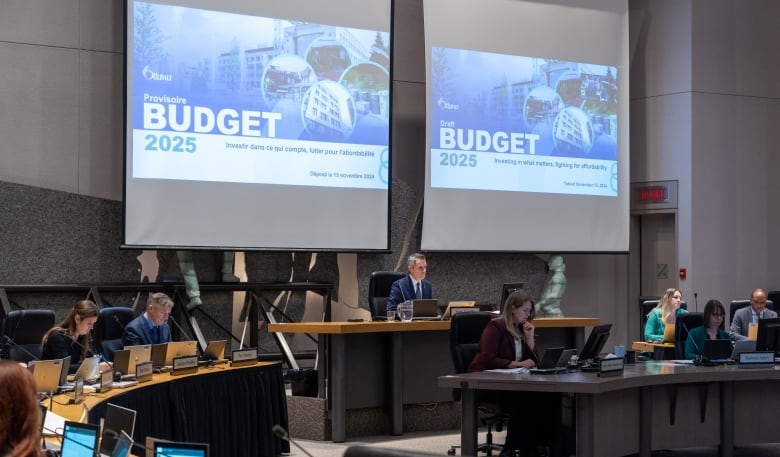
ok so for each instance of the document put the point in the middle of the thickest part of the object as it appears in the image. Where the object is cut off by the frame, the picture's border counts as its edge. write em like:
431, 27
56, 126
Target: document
509, 370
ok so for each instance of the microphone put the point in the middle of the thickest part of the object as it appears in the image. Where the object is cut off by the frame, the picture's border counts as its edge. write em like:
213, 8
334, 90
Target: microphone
699, 358
179, 327
8, 341
281, 433
696, 300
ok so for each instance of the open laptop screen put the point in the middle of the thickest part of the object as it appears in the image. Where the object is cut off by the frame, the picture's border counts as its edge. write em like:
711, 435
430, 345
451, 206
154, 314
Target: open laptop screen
79, 440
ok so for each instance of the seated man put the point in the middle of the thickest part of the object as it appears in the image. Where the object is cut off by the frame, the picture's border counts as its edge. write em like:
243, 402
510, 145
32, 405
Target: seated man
412, 286
151, 327
743, 317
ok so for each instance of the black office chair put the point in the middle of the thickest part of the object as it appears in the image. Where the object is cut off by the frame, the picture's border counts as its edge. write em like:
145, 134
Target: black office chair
25, 329
107, 333
379, 290
739, 304
684, 324
465, 332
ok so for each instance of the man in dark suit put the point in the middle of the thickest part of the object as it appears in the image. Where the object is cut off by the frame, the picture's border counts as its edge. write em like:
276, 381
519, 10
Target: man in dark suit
151, 327
412, 286
740, 323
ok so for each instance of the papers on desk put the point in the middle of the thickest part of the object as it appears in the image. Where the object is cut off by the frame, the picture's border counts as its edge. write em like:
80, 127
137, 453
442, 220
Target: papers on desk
683, 361
53, 424
509, 370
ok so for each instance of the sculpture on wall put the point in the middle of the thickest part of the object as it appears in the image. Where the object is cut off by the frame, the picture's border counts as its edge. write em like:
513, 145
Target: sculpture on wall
191, 278
549, 305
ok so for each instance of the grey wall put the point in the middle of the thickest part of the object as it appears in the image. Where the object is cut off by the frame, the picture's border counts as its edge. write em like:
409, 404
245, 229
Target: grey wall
703, 108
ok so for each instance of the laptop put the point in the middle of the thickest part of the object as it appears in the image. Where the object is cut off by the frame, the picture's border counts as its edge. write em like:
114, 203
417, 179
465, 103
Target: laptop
126, 359
46, 374
214, 352
88, 370
176, 449
122, 446
426, 309
118, 420
741, 346
668, 333
79, 440
163, 354
457, 306
550, 362
717, 351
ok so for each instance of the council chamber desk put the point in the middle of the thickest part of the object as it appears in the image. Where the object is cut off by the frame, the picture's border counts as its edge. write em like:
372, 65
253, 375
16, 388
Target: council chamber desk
397, 363
741, 406
232, 409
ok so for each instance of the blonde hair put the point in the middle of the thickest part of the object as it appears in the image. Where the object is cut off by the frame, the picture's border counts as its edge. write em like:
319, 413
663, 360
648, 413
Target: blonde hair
515, 300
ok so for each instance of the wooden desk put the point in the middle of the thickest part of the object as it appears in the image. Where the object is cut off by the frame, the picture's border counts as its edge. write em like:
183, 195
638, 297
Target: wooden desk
232, 409
397, 363
660, 351
640, 401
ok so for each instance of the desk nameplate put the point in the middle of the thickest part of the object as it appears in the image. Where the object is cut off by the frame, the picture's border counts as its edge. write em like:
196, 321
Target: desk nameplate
243, 357
187, 364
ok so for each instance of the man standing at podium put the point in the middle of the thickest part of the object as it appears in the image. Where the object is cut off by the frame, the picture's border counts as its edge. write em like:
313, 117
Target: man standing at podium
413, 286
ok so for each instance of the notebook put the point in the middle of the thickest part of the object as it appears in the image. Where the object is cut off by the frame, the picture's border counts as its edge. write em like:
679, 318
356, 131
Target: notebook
550, 362
668, 333
717, 351
456, 306
126, 359
425, 309
46, 374
118, 420
79, 440
163, 354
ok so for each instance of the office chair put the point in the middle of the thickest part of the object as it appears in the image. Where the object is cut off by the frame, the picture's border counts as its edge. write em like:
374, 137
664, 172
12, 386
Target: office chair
25, 329
465, 332
684, 324
107, 333
739, 304
379, 285
644, 309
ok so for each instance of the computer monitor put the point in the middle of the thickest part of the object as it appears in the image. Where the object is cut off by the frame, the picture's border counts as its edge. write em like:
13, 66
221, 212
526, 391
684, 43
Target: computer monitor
596, 340
177, 449
768, 335
506, 289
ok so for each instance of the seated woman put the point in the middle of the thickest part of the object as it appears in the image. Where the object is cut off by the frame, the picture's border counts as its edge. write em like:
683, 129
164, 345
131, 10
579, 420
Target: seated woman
713, 329
20, 415
665, 313
509, 342
72, 337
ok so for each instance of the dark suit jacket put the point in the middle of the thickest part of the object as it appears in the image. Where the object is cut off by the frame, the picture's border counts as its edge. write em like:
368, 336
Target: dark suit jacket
137, 332
740, 323
497, 348
59, 345
403, 290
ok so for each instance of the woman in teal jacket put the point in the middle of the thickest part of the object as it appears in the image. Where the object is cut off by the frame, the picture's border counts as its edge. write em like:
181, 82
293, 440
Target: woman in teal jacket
713, 329
665, 313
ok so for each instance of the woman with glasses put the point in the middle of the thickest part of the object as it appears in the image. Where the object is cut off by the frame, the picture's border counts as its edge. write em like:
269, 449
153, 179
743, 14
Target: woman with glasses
665, 313
713, 329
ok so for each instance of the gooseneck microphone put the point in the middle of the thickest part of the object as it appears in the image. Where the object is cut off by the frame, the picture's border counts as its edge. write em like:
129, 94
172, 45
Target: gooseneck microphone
699, 357
281, 433
116, 319
696, 300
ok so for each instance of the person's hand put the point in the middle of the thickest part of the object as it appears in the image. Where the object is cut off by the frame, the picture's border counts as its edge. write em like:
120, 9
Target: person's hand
105, 366
527, 363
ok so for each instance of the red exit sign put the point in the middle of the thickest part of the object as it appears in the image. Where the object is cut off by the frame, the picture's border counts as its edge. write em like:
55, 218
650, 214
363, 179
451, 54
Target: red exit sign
655, 194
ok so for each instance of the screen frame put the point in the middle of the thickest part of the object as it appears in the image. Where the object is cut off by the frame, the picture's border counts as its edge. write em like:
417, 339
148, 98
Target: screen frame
768, 335
595, 343
506, 289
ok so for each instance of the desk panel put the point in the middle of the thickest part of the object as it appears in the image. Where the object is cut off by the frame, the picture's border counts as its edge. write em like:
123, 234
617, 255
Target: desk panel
233, 409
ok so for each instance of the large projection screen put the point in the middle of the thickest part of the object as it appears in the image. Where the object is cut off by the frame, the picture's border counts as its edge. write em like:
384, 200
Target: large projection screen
257, 124
527, 126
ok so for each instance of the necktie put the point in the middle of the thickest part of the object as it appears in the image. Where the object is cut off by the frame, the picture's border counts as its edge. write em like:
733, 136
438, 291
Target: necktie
419, 290
156, 335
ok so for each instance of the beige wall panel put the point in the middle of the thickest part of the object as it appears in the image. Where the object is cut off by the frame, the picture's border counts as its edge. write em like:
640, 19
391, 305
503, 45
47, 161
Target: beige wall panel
408, 41
101, 24
43, 22
39, 93
100, 125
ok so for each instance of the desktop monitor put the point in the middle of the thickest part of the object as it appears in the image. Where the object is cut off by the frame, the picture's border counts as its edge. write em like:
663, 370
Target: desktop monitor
768, 335
506, 289
596, 340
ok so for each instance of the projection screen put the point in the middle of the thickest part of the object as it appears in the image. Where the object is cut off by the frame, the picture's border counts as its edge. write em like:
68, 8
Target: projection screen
527, 126
257, 124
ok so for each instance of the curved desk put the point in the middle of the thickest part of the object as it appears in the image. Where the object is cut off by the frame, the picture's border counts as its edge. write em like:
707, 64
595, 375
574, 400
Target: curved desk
641, 402
396, 363
232, 409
